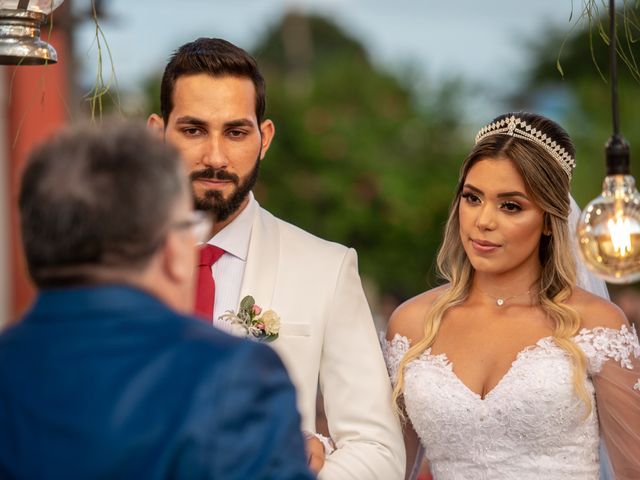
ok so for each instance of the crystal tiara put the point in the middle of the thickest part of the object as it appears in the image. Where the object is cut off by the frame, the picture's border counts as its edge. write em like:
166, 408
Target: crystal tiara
516, 127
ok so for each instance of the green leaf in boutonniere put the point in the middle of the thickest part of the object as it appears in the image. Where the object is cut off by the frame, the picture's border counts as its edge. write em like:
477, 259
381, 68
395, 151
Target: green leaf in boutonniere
252, 322
247, 303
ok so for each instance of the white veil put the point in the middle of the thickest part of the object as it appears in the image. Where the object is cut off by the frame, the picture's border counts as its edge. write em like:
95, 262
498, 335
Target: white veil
588, 281
584, 278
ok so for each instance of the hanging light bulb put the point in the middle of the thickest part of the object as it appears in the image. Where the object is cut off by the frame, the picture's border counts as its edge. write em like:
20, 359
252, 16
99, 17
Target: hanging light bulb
609, 227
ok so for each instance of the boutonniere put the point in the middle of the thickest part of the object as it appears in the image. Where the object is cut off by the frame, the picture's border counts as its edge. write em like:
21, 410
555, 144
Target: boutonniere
250, 321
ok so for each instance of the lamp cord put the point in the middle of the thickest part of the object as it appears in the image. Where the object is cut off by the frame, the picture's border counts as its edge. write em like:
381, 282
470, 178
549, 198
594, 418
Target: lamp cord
613, 68
617, 148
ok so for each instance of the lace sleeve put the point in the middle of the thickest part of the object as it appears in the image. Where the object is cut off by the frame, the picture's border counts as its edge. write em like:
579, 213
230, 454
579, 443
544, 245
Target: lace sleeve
614, 365
393, 352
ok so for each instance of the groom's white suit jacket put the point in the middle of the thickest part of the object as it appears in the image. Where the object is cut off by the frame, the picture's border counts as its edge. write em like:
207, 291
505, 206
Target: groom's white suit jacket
327, 336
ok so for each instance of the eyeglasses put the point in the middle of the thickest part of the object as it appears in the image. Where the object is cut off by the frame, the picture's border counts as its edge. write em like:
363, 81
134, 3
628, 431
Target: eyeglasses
199, 222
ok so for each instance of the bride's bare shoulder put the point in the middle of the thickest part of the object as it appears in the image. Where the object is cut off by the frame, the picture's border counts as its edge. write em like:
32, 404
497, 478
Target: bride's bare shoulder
595, 311
408, 319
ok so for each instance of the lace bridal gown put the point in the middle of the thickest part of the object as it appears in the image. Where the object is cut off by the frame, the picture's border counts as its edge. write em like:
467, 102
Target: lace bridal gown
531, 425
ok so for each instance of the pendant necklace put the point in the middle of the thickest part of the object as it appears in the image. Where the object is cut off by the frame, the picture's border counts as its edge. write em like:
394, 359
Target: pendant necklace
500, 301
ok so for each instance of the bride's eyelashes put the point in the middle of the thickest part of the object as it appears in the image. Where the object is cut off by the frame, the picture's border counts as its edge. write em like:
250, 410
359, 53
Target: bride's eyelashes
470, 197
509, 206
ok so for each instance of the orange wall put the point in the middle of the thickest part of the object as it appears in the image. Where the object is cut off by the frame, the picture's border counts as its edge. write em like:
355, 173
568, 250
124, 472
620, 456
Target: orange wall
37, 107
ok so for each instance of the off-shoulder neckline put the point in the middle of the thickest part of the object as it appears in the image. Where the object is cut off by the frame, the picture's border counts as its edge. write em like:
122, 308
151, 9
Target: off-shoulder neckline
624, 329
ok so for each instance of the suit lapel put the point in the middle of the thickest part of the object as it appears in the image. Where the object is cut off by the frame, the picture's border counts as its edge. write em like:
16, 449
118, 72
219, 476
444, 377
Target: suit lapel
262, 260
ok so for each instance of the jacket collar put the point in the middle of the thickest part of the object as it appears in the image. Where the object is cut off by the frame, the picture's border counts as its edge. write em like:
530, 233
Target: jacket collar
261, 271
94, 299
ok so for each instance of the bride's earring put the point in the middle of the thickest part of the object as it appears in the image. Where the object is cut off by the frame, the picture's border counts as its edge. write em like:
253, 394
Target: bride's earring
546, 228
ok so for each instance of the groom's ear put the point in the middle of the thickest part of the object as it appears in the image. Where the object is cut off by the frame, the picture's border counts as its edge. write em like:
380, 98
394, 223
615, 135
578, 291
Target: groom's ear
267, 132
155, 123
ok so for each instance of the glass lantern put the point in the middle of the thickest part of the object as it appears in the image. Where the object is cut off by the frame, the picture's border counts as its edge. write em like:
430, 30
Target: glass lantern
609, 231
20, 42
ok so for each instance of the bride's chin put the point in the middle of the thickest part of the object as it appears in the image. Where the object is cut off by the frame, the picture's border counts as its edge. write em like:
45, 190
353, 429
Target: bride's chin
485, 265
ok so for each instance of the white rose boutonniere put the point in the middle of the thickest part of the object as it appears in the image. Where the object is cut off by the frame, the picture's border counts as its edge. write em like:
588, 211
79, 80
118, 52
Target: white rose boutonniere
251, 321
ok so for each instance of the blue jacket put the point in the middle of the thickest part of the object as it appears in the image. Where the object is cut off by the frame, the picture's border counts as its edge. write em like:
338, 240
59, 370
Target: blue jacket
106, 382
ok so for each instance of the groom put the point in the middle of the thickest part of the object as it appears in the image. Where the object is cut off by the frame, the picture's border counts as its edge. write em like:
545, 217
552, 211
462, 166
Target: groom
212, 110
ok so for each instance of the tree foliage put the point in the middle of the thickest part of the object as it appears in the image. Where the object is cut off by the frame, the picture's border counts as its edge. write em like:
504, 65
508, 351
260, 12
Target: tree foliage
362, 158
357, 158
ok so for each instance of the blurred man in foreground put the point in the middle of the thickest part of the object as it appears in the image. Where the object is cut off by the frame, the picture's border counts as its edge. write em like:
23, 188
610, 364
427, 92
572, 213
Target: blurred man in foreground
106, 377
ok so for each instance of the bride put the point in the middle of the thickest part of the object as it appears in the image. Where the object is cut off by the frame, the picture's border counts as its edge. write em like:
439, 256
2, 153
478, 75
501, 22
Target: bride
511, 371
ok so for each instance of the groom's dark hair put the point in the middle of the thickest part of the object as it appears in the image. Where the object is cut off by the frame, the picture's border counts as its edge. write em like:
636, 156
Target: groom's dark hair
215, 57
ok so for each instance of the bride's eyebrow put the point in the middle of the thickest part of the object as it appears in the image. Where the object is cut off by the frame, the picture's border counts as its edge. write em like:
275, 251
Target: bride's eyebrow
468, 186
515, 193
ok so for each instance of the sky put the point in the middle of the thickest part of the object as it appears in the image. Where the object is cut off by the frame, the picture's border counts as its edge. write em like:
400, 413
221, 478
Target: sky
481, 42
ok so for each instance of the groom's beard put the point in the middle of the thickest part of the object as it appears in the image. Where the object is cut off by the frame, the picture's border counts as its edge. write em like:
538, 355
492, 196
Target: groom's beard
214, 202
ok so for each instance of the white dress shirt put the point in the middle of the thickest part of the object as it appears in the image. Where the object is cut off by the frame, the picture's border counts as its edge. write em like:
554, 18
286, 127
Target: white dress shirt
228, 271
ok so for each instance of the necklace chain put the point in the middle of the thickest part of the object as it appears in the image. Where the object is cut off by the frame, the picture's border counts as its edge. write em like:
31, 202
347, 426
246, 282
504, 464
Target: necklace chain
500, 301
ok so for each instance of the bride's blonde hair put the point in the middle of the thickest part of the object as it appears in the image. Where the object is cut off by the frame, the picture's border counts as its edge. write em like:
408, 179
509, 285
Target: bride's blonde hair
549, 186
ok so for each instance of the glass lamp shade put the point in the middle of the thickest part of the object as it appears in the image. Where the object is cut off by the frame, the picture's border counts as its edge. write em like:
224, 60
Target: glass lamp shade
40, 6
609, 231
20, 42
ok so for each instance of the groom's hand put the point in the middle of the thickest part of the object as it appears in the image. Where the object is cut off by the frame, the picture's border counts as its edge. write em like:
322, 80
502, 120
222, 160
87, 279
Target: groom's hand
315, 454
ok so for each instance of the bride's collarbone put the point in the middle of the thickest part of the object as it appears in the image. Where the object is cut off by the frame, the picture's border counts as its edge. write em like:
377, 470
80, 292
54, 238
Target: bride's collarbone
526, 321
484, 345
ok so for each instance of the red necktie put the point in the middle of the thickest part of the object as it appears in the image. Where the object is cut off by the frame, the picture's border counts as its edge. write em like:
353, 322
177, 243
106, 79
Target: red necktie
206, 289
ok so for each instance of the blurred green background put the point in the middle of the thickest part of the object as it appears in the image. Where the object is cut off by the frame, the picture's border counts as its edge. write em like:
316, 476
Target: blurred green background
368, 155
